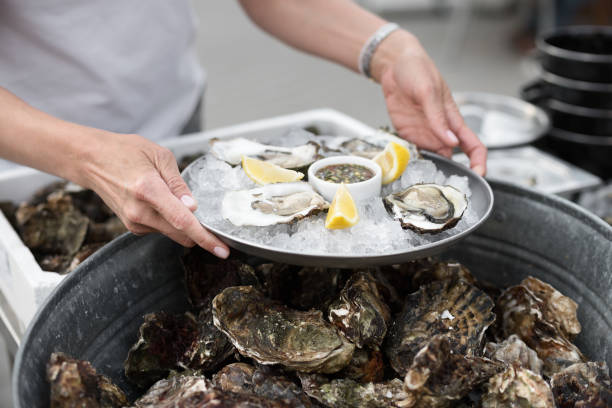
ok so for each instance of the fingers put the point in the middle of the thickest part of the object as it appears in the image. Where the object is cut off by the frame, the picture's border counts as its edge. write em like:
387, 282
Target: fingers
168, 169
154, 192
468, 141
432, 100
150, 221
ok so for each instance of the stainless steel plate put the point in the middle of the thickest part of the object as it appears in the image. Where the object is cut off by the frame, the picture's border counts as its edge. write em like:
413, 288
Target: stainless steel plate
501, 121
530, 167
481, 201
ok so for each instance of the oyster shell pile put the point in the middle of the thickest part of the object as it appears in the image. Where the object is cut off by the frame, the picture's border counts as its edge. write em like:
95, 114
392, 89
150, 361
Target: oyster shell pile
411, 335
63, 224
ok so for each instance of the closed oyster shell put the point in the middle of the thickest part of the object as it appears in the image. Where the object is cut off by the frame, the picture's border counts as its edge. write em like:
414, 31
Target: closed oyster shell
517, 387
272, 333
457, 309
55, 226
198, 392
530, 316
360, 312
439, 375
175, 342
513, 351
346, 393
263, 382
75, 383
583, 385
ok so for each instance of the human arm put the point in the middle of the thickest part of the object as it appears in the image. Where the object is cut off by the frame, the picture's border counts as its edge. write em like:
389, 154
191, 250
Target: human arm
419, 102
136, 178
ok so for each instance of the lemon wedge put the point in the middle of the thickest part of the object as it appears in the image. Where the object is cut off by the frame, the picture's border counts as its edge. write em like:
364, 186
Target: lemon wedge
393, 161
263, 172
342, 211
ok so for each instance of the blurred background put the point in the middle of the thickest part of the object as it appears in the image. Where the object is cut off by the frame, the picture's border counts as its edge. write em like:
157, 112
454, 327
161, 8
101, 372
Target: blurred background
478, 45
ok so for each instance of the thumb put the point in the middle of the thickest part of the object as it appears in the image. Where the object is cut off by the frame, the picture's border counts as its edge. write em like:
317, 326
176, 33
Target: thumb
169, 172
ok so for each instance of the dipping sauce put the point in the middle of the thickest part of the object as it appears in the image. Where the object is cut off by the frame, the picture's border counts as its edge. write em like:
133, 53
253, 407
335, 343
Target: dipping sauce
344, 173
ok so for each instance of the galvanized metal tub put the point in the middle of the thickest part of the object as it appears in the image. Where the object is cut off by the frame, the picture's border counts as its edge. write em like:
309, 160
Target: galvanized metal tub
95, 312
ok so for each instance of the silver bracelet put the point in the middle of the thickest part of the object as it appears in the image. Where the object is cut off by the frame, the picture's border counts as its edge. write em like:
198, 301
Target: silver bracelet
365, 56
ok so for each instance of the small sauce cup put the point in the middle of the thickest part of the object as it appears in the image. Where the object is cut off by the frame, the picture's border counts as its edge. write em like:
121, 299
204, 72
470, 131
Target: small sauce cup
359, 191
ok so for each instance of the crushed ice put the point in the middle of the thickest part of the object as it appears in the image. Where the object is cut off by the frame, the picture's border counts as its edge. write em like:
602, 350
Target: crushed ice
375, 233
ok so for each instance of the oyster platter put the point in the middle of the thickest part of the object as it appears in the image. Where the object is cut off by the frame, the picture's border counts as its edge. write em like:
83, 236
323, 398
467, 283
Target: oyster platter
343, 201
424, 333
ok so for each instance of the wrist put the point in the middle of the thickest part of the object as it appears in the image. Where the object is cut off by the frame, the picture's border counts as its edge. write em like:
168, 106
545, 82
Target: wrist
390, 50
84, 156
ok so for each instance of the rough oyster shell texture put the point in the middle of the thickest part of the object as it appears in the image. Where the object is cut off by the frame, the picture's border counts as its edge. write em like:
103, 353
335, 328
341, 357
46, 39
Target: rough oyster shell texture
513, 351
367, 365
272, 333
544, 319
517, 387
438, 374
346, 393
360, 312
583, 385
262, 381
456, 309
75, 383
175, 342
198, 392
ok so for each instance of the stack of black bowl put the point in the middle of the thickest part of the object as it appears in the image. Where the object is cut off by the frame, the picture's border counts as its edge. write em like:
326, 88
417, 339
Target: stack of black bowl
575, 88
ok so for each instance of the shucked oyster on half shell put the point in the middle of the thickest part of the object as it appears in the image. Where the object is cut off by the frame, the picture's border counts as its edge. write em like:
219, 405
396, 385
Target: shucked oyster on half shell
272, 333
231, 151
457, 309
271, 204
427, 207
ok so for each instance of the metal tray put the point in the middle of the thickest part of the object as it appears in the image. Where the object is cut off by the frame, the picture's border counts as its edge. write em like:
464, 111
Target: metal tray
531, 167
501, 121
481, 200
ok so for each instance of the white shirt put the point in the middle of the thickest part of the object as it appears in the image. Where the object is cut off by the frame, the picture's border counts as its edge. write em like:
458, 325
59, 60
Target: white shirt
122, 65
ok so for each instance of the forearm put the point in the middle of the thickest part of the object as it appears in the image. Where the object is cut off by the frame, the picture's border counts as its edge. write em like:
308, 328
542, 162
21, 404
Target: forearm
333, 29
31, 137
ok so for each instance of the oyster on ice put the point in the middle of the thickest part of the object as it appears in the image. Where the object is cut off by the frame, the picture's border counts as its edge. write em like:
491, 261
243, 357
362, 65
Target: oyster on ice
583, 385
458, 310
427, 207
360, 312
272, 333
280, 203
526, 311
75, 383
231, 151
